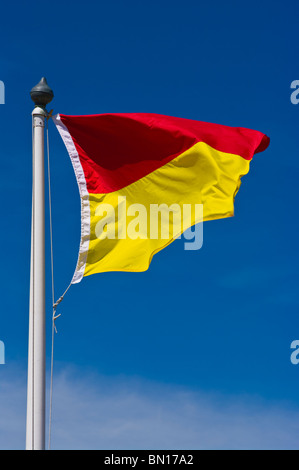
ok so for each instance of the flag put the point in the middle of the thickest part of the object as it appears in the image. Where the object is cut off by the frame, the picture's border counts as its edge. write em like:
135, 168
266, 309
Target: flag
131, 167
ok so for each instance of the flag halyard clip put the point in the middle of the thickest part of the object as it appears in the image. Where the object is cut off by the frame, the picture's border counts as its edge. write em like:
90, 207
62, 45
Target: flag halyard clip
54, 319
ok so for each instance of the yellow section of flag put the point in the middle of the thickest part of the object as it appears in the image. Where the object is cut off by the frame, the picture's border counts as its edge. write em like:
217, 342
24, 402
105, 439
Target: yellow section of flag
124, 230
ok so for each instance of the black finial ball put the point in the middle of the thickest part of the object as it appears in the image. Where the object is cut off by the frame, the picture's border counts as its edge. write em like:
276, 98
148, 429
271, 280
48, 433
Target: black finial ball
42, 94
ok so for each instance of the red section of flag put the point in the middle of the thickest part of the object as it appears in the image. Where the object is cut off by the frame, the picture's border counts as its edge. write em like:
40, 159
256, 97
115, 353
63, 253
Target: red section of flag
116, 150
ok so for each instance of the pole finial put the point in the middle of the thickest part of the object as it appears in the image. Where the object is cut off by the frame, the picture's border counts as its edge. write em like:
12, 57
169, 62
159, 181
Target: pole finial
42, 94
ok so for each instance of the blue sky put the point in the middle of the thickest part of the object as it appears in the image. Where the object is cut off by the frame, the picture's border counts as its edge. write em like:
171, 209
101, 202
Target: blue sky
217, 323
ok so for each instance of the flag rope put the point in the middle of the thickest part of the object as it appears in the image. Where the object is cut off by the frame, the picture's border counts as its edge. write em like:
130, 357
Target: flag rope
54, 304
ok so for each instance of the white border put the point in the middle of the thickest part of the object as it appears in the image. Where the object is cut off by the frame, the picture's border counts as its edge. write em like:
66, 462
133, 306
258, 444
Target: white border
84, 195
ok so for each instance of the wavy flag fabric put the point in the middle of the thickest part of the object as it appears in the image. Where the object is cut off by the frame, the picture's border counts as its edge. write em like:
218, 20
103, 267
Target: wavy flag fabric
127, 164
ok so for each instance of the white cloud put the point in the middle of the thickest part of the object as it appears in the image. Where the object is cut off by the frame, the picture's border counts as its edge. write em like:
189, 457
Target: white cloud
92, 412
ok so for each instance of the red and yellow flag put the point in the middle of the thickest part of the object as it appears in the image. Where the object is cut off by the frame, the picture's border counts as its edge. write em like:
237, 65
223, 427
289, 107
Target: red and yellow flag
132, 161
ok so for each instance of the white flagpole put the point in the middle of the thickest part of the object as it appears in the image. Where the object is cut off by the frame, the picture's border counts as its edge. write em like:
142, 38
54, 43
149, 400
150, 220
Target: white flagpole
41, 94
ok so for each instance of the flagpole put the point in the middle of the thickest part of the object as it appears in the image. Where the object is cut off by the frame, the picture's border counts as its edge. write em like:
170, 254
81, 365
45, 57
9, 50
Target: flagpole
41, 95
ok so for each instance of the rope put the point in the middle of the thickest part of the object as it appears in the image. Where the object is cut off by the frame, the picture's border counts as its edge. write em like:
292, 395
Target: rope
54, 304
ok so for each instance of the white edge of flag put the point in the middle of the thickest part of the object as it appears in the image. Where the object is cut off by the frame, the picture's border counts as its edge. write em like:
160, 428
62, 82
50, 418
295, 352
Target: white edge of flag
84, 196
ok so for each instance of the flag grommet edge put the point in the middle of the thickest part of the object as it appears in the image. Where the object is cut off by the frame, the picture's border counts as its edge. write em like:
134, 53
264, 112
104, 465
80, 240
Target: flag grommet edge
84, 196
